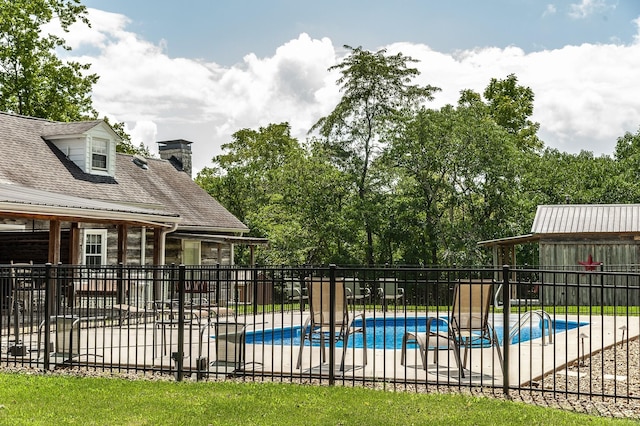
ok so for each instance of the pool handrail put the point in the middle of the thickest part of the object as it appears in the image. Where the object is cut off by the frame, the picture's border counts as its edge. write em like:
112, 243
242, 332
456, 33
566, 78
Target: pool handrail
545, 320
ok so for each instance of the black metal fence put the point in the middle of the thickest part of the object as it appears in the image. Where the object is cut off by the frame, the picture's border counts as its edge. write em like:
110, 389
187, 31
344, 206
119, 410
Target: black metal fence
509, 329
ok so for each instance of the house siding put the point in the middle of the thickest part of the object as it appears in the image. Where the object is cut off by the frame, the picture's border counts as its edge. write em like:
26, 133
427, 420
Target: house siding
33, 245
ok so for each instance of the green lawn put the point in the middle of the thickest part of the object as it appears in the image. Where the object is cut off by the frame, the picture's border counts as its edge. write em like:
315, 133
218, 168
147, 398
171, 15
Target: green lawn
551, 309
27, 399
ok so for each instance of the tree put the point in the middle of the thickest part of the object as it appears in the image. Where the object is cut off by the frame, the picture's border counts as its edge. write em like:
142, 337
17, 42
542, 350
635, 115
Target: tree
627, 155
34, 81
455, 182
285, 192
511, 105
246, 179
378, 95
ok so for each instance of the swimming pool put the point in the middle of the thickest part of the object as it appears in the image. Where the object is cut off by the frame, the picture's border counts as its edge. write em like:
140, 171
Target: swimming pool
387, 332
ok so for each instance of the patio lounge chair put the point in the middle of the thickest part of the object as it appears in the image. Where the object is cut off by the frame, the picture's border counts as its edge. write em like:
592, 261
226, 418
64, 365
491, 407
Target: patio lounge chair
318, 325
388, 291
127, 312
467, 326
356, 293
293, 293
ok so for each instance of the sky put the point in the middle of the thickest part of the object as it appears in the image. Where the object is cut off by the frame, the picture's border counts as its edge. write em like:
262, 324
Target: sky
201, 70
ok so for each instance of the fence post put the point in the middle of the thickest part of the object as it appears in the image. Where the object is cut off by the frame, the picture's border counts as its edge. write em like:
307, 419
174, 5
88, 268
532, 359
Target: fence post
120, 293
506, 304
218, 289
254, 289
47, 317
332, 324
180, 353
172, 283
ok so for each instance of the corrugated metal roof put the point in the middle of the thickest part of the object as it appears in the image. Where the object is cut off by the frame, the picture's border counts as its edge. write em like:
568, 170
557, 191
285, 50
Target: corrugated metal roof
587, 218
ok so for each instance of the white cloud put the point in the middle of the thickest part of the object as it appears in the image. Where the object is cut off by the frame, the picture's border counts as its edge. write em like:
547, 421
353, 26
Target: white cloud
143, 130
587, 8
585, 95
549, 10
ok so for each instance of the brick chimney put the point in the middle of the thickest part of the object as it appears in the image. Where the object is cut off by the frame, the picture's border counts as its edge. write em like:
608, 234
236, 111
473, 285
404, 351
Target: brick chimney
178, 153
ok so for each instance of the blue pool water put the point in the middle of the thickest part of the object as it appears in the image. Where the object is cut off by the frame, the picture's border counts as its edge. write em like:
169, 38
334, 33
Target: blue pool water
386, 333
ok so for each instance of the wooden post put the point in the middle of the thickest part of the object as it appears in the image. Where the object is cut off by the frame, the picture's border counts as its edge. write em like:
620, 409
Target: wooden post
54, 242
74, 244
54, 259
122, 244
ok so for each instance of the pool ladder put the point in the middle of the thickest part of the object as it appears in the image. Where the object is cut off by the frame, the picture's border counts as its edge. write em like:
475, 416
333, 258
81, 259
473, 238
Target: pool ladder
515, 329
545, 320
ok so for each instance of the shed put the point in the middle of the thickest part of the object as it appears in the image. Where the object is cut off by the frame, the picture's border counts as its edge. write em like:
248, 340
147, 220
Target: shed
582, 238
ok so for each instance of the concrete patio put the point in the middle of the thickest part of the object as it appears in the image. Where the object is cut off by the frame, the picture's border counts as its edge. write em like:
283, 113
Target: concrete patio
149, 345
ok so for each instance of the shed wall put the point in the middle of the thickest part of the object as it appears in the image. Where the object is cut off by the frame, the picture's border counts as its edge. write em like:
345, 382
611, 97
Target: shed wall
616, 254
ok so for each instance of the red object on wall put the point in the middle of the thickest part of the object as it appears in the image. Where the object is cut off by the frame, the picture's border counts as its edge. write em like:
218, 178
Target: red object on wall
590, 265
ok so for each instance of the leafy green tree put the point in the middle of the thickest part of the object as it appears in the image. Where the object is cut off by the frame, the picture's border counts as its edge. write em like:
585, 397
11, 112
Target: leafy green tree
511, 105
627, 156
557, 177
34, 81
306, 216
377, 96
243, 177
246, 179
455, 182
285, 192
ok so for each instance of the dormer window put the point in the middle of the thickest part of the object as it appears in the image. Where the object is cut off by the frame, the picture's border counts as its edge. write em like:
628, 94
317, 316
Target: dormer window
99, 154
91, 145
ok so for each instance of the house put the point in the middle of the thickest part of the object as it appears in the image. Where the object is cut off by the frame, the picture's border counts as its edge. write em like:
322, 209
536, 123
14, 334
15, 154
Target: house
67, 196
581, 238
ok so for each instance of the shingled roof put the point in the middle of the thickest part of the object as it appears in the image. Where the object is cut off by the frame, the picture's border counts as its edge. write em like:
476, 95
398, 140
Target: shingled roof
28, 159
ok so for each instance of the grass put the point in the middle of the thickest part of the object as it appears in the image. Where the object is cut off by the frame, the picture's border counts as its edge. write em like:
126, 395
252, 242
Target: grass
558, 310
66, 400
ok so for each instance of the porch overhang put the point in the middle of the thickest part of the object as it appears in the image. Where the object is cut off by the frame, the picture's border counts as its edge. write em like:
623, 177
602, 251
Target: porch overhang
219, 239
510, 241
22, 202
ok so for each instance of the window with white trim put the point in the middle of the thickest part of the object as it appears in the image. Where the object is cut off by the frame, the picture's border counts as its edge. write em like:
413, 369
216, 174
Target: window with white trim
95, 247
99, 154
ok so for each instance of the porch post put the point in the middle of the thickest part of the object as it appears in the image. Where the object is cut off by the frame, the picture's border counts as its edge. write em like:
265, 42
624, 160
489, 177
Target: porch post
54, 259
122, 244
54, 242
74, 244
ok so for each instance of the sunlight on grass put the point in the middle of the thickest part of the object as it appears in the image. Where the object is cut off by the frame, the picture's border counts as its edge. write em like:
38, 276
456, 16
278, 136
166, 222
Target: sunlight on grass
64, 400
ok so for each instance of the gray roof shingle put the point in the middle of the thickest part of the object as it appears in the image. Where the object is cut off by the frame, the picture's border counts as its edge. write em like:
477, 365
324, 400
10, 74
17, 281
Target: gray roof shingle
30, 161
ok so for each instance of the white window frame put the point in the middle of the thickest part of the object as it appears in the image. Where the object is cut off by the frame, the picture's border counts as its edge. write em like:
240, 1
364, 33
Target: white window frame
90, 233
100, 147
